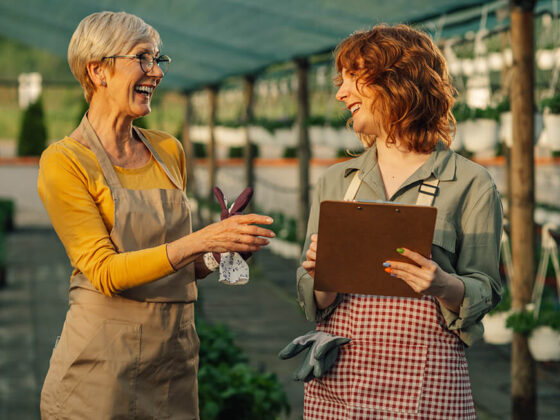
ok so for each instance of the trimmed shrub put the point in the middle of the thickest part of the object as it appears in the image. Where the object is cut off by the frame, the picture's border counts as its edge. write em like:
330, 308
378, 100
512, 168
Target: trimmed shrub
199, 150
290, 152
6, 215
33, 133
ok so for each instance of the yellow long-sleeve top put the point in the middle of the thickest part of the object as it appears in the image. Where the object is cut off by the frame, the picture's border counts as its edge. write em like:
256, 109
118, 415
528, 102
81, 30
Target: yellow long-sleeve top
79, 203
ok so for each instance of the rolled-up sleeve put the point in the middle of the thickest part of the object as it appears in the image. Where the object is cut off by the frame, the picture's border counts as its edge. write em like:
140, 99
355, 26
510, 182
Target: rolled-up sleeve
477, 265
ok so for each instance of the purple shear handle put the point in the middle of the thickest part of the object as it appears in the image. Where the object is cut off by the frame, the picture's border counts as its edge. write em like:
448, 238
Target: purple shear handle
238, 206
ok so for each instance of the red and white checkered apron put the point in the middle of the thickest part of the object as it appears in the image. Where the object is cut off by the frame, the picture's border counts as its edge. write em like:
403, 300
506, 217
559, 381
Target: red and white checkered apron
402, 363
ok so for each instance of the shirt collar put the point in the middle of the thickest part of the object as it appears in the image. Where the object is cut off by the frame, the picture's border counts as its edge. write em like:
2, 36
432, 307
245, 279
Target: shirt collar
441, 164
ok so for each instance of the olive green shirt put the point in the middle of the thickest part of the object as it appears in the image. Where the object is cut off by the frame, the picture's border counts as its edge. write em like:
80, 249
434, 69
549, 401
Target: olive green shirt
467, 234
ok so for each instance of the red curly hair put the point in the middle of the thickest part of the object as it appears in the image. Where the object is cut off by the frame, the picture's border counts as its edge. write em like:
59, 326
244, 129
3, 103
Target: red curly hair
412, 89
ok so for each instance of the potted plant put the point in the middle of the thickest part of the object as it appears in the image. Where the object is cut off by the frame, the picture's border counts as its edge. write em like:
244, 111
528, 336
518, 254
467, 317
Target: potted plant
550, 137
544, 341
543, 330
482, 135
495, 330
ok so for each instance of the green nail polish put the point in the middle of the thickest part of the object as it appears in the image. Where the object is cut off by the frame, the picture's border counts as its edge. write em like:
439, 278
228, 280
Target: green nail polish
400, 250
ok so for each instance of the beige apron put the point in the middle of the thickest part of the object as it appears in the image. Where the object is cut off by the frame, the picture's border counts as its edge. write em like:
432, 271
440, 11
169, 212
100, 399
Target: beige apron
132, 356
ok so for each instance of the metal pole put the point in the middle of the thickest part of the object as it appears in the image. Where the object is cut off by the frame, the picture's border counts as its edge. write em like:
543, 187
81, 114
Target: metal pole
188, 146
213, 96
522, 202
304, 149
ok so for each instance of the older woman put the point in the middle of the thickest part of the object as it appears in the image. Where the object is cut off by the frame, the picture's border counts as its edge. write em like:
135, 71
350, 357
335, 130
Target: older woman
406, 356
116, 198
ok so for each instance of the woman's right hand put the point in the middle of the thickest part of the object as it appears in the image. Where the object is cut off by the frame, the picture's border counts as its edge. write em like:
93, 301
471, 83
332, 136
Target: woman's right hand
235, 234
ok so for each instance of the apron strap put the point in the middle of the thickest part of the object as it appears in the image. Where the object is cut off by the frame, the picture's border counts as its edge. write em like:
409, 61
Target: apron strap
426, 192
157, 158
104, 162
353, 187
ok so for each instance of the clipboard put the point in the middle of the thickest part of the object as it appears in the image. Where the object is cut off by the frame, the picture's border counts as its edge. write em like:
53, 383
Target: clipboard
356, 238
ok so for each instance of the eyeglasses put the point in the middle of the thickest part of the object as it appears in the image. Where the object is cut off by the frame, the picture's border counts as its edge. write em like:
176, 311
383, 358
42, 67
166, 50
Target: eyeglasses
147, 61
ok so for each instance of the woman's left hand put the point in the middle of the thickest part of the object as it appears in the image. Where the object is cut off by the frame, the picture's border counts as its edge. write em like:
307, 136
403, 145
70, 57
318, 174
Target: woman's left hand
428, 278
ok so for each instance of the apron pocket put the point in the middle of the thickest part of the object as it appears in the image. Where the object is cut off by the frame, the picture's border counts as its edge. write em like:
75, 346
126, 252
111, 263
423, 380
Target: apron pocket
102, 378
388, 378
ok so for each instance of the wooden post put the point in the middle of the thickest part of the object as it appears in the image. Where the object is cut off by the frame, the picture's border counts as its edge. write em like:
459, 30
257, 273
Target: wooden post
213, 96
304, 150
188, 146
522, 201
249, 154
505, 87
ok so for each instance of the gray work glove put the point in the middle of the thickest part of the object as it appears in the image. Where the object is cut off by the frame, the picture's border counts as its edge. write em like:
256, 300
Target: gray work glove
322, 351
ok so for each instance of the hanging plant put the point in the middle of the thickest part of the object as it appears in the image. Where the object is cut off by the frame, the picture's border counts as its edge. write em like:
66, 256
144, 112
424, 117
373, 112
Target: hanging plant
523, 322
488, 113
552, 104
462, 112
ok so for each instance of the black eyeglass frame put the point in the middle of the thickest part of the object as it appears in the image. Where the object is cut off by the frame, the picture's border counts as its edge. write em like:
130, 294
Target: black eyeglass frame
149, 63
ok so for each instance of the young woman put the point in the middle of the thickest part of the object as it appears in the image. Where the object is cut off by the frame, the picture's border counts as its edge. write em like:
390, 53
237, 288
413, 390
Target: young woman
406, 356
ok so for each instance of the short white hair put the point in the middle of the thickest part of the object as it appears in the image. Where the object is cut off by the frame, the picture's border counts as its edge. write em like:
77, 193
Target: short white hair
104, 34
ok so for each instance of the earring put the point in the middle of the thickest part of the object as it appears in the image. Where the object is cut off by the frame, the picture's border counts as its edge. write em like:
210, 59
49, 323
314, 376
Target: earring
103, 83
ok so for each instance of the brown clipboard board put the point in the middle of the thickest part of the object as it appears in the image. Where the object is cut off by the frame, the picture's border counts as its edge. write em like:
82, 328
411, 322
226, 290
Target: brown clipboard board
356, 238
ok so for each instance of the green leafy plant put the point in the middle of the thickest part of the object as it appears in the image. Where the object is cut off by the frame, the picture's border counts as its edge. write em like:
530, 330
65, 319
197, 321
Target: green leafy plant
272, 125
522, 322
199, 150
504, 105
228, 387
7, 210
462, 112
33, 133
340, 120
290, 152
549, 315
235, 152
319, 120
505, 303
552, 104
490, 113
239, 151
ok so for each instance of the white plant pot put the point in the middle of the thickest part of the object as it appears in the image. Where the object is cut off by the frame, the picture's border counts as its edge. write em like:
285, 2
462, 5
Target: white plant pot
545, 59
259, 135
506, 128
230, 136
316, 135
544, 344
271, 151
481, 136
285, 136
457, 143
322, 151
550, 136
332, 137
199, 133
495, 331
